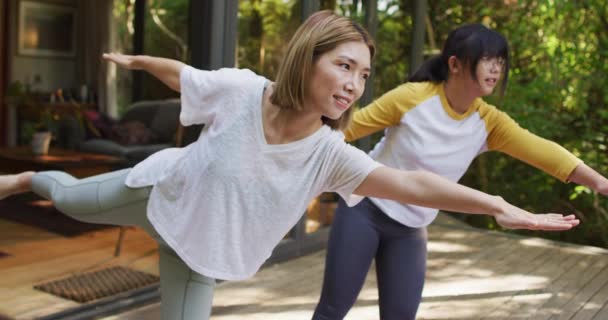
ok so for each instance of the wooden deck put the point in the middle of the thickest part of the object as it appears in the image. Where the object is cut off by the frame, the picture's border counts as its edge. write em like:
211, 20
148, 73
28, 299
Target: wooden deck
472, 274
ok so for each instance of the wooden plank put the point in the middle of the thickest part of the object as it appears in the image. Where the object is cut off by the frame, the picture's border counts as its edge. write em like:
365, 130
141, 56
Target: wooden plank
565, 288
602, 313
589, 300
523, 304
491, 253
484, 293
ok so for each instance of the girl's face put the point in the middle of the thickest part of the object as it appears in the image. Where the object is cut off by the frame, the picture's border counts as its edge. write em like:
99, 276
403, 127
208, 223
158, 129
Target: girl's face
338, 79
489, 71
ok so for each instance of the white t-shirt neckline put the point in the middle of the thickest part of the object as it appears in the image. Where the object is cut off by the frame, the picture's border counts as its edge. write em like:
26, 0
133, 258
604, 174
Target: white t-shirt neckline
259, 125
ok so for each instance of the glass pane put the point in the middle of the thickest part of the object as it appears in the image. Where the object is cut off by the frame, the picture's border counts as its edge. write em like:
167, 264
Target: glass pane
264, 29
165, 35
123, 42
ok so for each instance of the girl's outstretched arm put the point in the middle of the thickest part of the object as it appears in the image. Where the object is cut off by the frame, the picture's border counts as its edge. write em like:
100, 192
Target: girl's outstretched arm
166, 70
430, 190
584, 175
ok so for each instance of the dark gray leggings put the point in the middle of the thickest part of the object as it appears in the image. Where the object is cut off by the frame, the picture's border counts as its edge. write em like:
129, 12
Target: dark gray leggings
358, 235
186, 294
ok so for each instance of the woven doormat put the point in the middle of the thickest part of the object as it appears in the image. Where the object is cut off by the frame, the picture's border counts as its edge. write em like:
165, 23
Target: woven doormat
99, 284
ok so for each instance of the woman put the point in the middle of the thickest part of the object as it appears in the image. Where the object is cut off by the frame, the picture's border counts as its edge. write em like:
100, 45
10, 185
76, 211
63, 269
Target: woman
219, 206
438, 122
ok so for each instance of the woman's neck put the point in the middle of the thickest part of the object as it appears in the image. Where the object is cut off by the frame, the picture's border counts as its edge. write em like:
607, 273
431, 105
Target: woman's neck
283, 126
458, 96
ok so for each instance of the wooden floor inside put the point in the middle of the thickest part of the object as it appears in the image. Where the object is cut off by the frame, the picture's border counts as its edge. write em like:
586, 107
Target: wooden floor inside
472, 274
37, 256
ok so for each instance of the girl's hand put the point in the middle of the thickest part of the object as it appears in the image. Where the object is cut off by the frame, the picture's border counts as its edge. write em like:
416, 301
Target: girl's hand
516, 218
122, 60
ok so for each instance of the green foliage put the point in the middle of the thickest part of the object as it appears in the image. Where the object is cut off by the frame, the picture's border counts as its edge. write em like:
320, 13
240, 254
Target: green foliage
393, 46
264, 31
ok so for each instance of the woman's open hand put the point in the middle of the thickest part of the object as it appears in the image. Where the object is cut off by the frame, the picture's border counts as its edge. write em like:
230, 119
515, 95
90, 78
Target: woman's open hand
516, 218
122, 60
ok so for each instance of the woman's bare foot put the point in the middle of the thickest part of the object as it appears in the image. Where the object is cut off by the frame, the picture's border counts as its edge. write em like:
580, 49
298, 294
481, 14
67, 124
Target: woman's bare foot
11, 184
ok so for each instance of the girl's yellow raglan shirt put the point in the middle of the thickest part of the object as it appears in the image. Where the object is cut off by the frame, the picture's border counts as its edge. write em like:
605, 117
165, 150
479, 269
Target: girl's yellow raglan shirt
422, 132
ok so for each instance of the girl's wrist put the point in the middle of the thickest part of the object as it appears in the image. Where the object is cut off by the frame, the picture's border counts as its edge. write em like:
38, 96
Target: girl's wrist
602, 187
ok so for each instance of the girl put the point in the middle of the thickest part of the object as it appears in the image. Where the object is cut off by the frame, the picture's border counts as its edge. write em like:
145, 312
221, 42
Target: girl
436, 122
220, 205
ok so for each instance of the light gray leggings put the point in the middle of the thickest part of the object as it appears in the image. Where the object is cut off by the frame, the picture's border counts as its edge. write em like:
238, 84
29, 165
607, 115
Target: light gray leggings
185, 294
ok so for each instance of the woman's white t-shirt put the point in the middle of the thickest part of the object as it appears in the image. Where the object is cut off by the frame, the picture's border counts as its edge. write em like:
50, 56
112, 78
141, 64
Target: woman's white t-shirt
224, 202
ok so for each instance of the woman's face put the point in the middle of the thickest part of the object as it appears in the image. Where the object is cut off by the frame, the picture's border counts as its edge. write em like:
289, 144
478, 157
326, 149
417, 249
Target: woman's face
338, 79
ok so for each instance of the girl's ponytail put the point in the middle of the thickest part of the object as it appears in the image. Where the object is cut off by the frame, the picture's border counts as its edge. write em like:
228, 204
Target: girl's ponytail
433, 70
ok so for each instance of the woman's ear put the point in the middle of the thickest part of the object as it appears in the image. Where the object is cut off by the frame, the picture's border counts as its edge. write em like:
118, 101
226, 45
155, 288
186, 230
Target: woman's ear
454, 65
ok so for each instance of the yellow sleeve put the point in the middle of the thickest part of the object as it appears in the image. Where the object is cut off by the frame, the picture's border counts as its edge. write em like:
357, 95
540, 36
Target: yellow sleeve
385, 111
505, 135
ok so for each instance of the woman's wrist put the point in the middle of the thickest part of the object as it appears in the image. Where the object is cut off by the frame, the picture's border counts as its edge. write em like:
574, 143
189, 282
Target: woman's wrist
498, 206
139, 62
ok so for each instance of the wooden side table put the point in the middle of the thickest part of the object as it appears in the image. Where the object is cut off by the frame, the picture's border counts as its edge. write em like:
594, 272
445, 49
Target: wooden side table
78, 164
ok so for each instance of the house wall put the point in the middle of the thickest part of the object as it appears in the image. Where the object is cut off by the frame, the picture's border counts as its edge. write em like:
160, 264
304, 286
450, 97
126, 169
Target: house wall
42, 73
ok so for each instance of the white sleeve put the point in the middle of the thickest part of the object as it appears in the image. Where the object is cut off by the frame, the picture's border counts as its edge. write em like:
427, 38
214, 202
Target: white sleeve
348, 167
205, 93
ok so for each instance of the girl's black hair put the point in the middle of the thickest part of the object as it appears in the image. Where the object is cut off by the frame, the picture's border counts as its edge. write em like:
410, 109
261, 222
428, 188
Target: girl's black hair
469, 43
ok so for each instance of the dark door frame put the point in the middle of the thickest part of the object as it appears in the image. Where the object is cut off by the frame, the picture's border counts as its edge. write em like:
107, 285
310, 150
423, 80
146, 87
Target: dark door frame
4, 69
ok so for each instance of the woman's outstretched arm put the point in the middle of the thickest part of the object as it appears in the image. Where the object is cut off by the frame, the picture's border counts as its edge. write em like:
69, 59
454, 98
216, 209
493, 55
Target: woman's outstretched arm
166, 70
430, 190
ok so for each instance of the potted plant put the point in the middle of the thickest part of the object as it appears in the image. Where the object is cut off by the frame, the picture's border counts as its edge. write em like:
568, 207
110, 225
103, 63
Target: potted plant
41, 137
39, 125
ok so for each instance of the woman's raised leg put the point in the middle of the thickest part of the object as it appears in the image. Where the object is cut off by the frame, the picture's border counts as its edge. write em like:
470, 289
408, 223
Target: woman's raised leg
185, 294
102, 198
